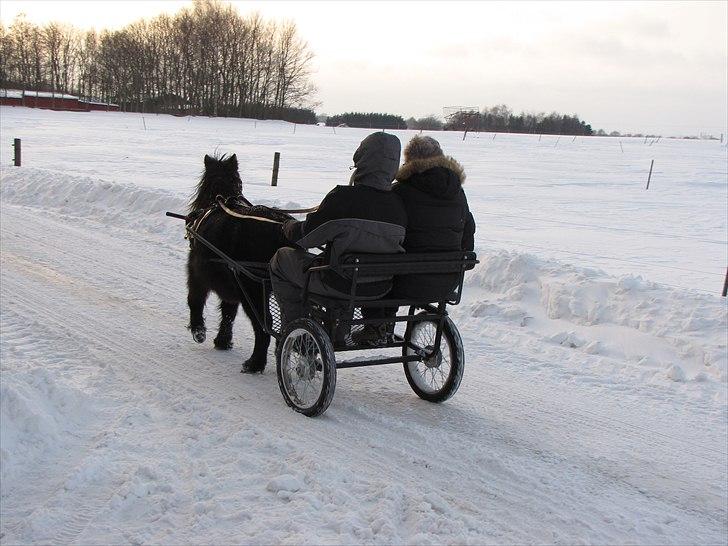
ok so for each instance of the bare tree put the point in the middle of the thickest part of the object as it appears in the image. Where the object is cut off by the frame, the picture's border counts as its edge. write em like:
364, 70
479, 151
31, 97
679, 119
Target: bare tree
207, 58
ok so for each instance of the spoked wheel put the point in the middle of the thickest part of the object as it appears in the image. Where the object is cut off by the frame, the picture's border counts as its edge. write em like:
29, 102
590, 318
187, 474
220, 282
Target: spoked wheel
306, 367
438, 377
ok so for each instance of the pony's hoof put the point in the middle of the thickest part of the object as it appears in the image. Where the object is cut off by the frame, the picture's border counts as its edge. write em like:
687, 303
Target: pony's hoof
199, 335
223, 344
252, 366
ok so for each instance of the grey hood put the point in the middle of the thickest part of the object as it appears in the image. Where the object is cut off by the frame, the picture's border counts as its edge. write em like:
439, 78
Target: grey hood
376, 161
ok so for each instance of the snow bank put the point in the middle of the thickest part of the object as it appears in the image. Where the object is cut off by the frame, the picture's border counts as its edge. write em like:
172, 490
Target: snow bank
112, 204
679, 332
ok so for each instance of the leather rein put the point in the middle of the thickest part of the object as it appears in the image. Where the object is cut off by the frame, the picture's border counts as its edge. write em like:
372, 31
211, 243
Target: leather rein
195, 223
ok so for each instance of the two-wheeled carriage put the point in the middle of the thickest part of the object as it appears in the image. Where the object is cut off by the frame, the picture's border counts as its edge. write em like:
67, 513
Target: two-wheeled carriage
430, 348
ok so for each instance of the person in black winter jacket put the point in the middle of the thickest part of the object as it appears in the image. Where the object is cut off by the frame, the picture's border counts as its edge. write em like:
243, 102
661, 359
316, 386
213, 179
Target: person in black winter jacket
438, 217
438, 220
364, 216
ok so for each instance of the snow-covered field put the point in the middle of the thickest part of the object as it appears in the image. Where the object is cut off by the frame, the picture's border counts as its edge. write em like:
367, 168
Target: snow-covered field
593, 407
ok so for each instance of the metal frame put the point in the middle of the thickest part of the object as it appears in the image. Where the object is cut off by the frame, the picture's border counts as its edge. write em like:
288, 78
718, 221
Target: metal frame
334, 312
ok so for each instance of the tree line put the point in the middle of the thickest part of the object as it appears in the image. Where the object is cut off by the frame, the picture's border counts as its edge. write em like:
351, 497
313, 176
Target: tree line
501, 119
206, 59
371, 120
494, 119
427, 123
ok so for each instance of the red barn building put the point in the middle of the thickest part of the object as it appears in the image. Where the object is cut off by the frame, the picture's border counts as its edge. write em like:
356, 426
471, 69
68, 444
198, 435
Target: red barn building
11, 97
51, 101
100, 106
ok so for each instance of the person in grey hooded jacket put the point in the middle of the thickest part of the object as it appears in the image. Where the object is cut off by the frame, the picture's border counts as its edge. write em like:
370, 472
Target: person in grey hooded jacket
364, 216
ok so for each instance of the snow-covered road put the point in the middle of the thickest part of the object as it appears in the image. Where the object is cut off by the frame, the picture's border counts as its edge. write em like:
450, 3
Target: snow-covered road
137, 435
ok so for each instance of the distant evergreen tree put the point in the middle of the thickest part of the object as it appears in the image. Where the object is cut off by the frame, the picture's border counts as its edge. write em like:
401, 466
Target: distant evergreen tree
428, 123
500, 119
367, 120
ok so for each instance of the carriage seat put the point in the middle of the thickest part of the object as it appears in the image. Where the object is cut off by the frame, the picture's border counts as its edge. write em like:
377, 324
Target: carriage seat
362, 270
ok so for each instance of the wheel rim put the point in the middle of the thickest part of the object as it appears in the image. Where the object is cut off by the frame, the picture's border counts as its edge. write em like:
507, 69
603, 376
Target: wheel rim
302, 368
430, 375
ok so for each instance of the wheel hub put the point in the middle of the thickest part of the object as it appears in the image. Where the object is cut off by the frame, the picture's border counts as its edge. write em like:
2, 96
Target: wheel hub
435, 360
306, 369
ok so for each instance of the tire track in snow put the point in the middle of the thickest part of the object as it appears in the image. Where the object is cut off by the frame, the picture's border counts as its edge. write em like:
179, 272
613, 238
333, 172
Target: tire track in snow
34, 340
83, 324
512, 485
86, 325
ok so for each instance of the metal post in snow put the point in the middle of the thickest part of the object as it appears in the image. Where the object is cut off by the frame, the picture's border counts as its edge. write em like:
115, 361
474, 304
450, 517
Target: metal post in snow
725, 284
16, 155
276, 163
649, 176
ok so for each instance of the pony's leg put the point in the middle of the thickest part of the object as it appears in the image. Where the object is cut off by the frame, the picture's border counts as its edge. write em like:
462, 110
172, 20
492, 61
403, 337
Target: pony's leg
224, 339
196, 298
257, 361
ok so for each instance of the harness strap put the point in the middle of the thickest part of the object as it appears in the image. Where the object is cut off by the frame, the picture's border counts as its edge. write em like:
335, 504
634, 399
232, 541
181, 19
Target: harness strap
298, 211
196, 224
238, 215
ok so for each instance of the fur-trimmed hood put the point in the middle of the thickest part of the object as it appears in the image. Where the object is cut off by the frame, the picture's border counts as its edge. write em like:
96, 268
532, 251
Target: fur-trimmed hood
419, 166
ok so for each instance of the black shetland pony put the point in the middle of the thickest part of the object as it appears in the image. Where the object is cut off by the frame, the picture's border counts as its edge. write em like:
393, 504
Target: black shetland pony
241, 239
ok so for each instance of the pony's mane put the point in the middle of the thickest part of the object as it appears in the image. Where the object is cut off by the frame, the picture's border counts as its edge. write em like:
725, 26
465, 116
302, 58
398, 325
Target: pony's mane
219, 178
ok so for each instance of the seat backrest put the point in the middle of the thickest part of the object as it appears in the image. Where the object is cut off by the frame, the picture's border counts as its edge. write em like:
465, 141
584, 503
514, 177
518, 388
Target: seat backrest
406, 263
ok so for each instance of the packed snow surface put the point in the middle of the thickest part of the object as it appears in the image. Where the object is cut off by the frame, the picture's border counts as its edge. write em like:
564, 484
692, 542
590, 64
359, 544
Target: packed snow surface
593, 407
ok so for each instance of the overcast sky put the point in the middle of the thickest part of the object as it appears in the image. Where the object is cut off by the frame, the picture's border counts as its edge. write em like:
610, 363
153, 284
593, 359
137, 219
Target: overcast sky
631, 66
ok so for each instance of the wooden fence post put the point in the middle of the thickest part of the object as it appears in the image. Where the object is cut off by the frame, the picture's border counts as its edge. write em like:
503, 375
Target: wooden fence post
276, 162
649, 176
16, 155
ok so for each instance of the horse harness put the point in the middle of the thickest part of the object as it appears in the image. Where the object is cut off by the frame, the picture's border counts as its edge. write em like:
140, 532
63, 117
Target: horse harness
197, 217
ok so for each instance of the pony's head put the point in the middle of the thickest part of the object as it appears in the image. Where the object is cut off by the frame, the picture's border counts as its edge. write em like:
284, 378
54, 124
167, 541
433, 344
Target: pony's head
220, 178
